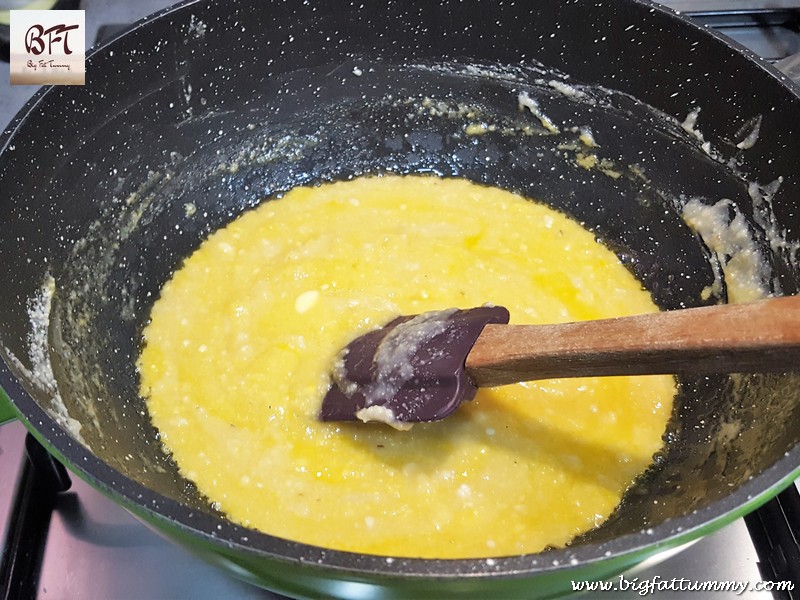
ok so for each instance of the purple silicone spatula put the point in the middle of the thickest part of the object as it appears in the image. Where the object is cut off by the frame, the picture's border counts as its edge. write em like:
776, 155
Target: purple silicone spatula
422, 368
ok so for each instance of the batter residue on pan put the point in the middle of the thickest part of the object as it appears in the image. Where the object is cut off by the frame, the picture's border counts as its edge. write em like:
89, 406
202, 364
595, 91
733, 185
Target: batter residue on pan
237, 357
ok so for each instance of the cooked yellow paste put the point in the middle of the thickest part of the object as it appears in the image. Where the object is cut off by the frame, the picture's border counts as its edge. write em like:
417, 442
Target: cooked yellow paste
242, 339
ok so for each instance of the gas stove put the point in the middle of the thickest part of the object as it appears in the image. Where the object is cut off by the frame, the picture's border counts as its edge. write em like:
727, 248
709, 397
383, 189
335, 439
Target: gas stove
65, 541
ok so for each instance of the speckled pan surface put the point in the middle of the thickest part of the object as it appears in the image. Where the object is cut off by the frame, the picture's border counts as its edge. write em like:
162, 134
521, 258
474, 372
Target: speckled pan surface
200, 112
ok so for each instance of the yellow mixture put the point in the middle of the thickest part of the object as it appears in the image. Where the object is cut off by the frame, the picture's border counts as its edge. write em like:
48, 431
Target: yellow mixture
241, 342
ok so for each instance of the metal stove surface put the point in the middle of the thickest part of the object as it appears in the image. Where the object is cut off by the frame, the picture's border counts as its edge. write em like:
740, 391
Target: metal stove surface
95, 549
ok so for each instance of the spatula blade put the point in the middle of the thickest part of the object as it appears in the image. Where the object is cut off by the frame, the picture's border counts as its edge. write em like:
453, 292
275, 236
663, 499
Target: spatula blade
411, 370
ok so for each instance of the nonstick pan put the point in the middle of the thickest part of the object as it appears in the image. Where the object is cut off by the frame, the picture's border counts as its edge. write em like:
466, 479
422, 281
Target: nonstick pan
620, 113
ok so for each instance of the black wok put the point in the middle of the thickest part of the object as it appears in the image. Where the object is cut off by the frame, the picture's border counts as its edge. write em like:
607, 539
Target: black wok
224, 104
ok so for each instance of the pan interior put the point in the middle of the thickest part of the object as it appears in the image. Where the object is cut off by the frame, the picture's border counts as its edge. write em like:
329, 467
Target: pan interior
602, 157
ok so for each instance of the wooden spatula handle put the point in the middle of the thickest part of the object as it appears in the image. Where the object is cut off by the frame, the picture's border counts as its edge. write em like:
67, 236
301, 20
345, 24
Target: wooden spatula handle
755, 337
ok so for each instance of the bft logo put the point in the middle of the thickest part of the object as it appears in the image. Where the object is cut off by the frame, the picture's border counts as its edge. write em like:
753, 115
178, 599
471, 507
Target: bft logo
35, 38
48, 47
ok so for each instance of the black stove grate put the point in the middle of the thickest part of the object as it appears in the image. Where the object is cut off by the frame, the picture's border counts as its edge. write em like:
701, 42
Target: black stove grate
774, 529
41, 479
773, 34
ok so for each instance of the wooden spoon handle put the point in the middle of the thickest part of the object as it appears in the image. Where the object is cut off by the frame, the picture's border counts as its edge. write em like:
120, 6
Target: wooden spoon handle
755, 337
